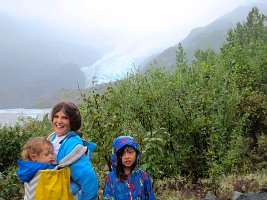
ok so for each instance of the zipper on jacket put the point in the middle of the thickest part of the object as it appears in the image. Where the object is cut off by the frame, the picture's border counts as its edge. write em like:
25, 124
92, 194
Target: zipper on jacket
128, 185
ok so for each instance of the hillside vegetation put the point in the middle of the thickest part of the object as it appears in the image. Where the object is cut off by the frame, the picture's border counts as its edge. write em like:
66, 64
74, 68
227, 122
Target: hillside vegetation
200, 127
211, 36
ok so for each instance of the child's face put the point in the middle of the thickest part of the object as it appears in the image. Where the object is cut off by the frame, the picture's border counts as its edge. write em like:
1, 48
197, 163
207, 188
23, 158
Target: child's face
61, 123
46, 156
129, 157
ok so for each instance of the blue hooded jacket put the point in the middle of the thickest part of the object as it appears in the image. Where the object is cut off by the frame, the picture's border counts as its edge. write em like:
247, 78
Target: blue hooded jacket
27, 169
83, 176
138, 185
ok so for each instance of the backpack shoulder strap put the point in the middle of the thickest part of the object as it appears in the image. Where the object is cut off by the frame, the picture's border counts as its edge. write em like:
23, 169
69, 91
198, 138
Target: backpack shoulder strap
50, 137
31, 187
74, 155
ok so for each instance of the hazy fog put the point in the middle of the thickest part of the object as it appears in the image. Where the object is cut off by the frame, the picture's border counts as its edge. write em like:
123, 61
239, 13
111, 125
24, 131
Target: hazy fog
124, 32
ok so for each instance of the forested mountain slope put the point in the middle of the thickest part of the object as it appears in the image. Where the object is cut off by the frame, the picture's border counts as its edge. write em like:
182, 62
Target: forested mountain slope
211, 36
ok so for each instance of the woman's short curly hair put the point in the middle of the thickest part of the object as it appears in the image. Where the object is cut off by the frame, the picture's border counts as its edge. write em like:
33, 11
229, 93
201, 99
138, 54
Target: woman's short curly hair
72, 112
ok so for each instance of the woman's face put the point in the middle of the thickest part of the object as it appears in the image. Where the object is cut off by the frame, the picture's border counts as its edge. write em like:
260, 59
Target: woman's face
61, 123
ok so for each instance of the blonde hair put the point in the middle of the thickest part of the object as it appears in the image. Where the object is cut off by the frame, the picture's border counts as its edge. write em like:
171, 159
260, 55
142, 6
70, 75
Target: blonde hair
35, 145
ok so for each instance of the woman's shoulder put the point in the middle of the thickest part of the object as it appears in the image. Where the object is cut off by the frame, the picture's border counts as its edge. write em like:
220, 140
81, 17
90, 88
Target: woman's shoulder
71, 141
72, 137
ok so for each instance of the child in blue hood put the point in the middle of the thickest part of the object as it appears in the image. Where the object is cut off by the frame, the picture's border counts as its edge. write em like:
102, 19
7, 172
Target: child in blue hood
37, 154
127, 181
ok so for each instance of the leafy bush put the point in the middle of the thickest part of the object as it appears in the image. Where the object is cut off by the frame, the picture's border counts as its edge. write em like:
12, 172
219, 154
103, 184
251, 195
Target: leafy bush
204, 121
12, 139
201, 116
10, 186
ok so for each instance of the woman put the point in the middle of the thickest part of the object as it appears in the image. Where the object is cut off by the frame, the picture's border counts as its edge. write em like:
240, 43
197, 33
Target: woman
66, 120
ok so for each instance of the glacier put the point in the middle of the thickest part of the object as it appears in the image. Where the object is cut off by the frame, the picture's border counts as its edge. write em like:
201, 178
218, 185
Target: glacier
120, 61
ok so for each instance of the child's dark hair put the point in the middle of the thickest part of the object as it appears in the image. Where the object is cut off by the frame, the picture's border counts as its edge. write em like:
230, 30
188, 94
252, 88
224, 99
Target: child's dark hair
120, 171
72, 112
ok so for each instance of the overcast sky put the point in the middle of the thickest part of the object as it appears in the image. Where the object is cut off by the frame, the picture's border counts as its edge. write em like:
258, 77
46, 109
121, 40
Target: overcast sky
107, 22
125, 31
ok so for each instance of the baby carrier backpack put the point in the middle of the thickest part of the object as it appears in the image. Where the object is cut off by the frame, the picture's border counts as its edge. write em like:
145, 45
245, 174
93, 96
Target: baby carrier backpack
54, 184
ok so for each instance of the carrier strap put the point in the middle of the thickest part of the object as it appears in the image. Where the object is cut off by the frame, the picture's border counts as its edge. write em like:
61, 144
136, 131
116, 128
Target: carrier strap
51, 136
74, 155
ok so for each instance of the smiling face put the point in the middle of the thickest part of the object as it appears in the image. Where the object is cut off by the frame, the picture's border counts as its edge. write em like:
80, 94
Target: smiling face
128, 158
61, 123
65, 115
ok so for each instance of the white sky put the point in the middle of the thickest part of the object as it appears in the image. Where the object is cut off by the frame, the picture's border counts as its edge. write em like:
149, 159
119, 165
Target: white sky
110, 21
125, 31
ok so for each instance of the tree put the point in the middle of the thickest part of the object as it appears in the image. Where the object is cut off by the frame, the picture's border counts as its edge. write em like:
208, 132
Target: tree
245, 54
181, 61
246, 51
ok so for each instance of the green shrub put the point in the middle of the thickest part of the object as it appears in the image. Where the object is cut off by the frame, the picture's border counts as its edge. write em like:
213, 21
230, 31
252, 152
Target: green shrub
12, 139
10, 186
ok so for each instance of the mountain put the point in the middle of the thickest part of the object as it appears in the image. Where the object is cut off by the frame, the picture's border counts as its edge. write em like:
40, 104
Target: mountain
40, 65
36, 59
73, 95
211, 36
